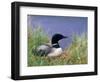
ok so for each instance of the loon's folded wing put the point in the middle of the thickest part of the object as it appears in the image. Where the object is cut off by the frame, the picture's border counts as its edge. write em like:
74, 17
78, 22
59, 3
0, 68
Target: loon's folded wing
43, 50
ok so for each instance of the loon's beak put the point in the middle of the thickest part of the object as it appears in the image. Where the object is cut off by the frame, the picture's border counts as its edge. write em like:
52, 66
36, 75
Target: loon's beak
65, 37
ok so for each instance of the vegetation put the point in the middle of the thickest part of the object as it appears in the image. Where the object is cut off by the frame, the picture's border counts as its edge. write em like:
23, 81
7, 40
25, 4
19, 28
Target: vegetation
75, 54
78, 50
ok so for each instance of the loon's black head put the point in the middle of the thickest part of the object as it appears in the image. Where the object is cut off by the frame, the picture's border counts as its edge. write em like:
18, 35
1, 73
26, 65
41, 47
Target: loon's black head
56, 38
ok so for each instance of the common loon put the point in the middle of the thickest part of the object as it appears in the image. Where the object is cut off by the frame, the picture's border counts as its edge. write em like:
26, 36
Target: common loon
51, 50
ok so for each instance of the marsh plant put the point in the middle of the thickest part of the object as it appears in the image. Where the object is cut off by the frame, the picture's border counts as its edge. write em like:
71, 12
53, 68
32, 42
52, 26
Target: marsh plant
78, 50
76, 53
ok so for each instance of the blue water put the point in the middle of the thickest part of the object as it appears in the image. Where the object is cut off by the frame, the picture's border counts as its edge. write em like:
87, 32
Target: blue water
64, 25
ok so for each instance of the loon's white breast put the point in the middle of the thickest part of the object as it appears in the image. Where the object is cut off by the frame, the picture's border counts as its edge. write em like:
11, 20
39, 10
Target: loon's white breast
55, 52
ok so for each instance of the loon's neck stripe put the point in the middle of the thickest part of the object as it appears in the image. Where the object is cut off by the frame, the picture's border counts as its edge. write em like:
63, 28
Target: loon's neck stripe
55, 44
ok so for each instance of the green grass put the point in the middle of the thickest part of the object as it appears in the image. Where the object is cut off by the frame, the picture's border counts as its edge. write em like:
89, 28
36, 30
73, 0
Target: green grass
75, 54
78, 50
